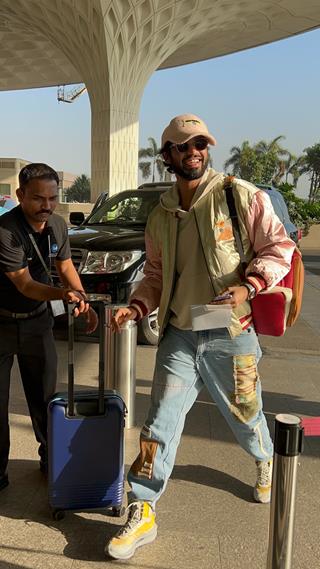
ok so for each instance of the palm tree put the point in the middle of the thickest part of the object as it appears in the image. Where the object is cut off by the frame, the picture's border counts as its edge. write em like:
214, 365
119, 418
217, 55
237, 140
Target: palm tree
236, 158
245, 163
264, 147
145, 168
154, 164
312, 167
80, 190
294, 168
273, 156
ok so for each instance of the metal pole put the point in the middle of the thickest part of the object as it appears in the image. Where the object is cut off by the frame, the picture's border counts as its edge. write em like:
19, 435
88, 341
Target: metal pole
287, 447
120, 362
108, 348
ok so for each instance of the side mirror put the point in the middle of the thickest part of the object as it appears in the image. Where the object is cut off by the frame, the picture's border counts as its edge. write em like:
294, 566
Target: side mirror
76, 217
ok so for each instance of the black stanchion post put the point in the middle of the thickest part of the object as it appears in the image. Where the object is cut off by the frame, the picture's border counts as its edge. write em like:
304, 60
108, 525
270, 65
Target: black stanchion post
287, 447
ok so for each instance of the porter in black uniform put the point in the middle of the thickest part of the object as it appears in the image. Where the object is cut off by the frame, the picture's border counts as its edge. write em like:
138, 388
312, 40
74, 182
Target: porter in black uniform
25, 321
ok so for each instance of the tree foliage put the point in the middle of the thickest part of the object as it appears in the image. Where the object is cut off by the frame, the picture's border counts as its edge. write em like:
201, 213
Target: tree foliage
270, 163
271, 156
245, 163
302, 213
293, 167
263, 163
153, 164
311, 166
80, 191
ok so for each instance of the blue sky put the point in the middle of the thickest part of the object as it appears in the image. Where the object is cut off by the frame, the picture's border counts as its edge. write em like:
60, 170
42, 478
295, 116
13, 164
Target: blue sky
256, 94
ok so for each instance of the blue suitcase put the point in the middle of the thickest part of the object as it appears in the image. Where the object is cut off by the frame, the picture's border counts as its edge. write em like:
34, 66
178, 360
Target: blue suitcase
86, 443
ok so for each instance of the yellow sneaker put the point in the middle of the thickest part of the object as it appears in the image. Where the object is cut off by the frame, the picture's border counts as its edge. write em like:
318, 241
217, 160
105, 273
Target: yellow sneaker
262, 489
139, 530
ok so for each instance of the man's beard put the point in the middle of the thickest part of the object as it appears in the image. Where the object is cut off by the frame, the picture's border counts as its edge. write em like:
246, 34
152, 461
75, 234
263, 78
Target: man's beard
190, 174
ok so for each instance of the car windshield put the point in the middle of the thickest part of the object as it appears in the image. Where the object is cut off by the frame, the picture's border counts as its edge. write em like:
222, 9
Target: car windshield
129, 207
6, 203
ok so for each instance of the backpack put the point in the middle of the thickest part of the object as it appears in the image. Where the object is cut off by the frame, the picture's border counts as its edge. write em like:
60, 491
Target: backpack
275, 309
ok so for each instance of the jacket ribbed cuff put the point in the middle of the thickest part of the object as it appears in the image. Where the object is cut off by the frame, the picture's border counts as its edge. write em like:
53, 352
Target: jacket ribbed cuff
258, 282
140, 308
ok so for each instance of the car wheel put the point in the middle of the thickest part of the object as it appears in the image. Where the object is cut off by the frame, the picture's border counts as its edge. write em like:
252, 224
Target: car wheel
148, 330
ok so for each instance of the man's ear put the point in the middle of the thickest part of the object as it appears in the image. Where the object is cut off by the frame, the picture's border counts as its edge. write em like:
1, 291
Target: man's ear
166, 157
20, 194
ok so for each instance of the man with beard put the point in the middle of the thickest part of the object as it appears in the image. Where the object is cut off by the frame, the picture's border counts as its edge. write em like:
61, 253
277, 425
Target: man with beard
32, 237
191, 258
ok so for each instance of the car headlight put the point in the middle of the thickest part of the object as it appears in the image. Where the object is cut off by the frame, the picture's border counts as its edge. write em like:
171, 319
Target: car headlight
99, 262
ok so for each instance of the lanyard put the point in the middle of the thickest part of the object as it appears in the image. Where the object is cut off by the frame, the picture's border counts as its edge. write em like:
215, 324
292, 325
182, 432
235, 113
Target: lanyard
48, 271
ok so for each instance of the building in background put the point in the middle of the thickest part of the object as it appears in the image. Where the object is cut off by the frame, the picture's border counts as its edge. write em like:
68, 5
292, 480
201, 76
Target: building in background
65, 181
9, 172
9, 177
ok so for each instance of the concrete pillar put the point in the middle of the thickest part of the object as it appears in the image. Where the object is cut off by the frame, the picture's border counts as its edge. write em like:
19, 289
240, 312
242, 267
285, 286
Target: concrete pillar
114, 148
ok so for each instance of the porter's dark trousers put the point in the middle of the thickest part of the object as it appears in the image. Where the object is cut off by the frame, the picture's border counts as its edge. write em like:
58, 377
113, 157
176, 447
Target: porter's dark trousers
31, 340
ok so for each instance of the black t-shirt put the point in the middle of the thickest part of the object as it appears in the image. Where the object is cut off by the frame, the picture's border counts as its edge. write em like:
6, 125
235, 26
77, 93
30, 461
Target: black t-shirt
18, 252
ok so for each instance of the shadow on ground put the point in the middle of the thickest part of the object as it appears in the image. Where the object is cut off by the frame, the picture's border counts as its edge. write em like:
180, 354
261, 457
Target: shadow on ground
210, 477
26, 499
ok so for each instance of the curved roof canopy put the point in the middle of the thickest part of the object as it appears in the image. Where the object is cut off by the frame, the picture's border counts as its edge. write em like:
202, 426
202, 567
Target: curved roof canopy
42, 41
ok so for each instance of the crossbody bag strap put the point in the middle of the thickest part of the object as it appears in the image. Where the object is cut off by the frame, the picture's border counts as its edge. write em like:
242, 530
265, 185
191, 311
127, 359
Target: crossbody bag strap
33, 241
228, 187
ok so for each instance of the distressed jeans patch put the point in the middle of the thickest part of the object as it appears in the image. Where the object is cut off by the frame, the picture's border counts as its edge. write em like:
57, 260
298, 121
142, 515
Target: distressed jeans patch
244, 401
143, 465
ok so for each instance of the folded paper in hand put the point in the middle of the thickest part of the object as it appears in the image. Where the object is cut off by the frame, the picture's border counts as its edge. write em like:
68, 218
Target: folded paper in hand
208, 316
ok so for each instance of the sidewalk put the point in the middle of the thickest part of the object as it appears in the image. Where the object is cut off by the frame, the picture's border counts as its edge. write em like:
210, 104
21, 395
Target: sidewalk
207, 517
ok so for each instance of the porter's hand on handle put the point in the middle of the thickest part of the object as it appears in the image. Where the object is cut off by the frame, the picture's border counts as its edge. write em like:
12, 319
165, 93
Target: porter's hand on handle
123, 315
78, 298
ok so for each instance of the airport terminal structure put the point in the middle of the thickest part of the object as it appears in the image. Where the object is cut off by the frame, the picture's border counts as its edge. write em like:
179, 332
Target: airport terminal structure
114, 46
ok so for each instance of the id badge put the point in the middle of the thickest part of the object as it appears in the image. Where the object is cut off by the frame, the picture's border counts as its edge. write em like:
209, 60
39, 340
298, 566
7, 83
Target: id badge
57, 307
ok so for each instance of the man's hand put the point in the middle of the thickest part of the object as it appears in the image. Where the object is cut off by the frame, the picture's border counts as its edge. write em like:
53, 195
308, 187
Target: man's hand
77, 298
239, 294
83, 307
123, 315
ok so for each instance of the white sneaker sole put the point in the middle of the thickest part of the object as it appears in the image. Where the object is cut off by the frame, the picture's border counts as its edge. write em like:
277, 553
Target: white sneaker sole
115, 553
262, 498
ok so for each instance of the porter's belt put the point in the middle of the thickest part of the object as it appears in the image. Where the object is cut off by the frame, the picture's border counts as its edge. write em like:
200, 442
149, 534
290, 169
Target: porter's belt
23, 315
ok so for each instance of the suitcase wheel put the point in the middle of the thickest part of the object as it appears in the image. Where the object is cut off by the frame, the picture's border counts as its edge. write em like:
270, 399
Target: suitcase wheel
118, 512
58, 515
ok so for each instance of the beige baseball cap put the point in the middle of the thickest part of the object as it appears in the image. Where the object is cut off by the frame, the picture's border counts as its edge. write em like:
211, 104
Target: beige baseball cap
184, 127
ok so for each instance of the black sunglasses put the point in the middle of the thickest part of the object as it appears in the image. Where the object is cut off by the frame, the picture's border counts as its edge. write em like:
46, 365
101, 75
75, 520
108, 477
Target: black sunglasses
198, 144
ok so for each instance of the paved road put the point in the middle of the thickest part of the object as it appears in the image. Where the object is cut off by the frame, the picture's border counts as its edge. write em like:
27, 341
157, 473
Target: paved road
312, 263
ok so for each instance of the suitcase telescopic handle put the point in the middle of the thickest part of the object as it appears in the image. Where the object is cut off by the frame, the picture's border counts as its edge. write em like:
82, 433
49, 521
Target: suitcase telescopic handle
71, 308
71, 359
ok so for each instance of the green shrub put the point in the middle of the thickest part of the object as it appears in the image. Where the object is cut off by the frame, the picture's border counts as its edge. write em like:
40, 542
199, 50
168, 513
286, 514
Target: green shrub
312, 210
301, 212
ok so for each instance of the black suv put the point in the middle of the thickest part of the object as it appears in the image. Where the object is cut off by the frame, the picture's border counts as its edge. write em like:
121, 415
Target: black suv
108, 248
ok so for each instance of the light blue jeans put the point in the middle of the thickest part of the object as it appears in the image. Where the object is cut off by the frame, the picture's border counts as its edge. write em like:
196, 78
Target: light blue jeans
187, 361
